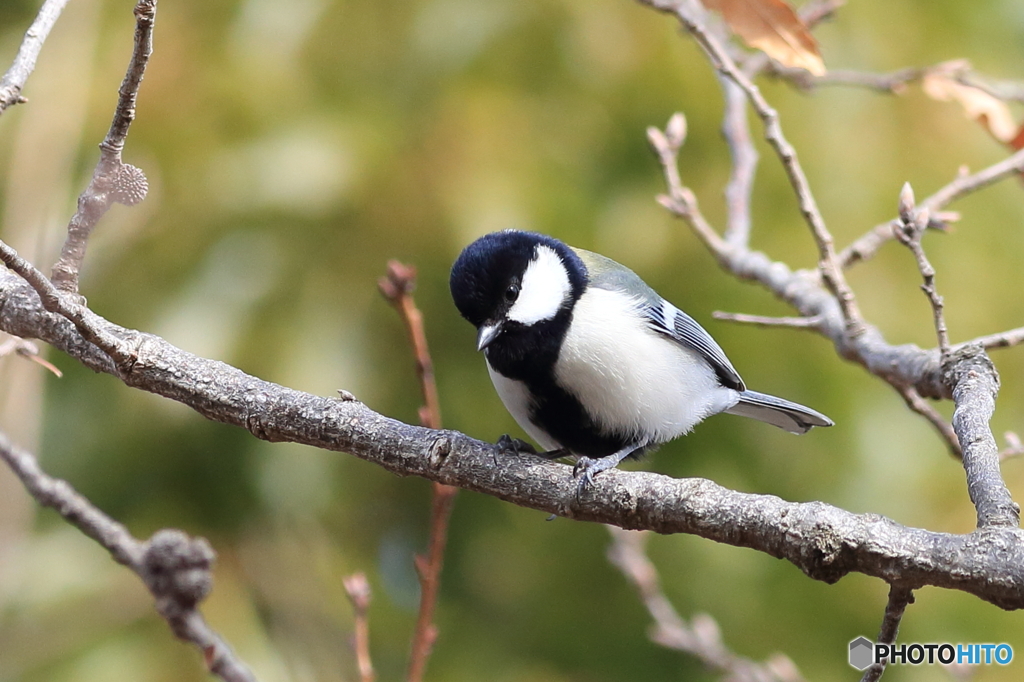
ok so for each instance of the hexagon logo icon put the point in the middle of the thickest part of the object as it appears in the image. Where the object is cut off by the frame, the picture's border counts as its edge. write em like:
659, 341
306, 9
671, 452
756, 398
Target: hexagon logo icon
861, 653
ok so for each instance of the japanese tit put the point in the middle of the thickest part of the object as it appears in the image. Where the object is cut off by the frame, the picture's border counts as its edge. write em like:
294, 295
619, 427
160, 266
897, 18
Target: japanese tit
592, 362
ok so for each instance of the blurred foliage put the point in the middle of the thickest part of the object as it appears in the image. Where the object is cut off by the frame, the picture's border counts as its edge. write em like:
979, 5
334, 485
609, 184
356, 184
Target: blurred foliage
292, 148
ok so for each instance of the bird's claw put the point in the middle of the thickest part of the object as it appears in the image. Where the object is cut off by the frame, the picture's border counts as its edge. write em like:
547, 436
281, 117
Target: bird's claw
583, 471
516, 446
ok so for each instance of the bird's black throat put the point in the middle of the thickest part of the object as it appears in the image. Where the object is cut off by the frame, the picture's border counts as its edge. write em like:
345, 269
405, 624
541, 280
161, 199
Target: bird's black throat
528, 354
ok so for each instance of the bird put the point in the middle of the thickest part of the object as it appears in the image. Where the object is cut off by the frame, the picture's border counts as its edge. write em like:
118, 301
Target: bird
589, 360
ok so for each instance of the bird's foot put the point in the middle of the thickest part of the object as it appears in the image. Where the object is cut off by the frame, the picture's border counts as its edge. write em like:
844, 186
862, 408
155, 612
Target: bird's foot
586, 468
515, 446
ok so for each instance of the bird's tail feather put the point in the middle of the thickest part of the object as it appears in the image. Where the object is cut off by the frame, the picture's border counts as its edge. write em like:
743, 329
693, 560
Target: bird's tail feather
778, 412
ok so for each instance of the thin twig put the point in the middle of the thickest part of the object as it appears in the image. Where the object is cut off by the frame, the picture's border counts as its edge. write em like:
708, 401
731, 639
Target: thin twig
1009, 91
895, 82
736, 130
966, 183
828, 264
918, 404
113, 181
29, 351
985, 485
397, 287
1012, 337
701, 637
357, 587
1014, 446
25, 61
974, 382
60, 303
899, 598
680, 200
868, 245
766, 321
174, 567
737, 259
816, 11
913, 223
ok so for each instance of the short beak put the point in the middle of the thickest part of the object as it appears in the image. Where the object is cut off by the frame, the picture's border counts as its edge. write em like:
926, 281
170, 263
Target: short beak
486, 334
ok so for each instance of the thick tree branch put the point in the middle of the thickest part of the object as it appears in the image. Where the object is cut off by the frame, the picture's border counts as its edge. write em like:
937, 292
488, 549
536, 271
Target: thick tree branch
174, 567
976, 384
25, 61
825, 542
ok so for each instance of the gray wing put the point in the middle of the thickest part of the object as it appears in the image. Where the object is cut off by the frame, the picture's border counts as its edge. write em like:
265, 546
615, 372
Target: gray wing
662, 316
669, 320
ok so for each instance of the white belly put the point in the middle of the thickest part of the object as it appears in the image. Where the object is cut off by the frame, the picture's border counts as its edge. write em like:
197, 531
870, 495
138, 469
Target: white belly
634, 379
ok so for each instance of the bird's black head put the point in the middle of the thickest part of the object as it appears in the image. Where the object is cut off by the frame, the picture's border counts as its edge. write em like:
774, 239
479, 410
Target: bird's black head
512, 280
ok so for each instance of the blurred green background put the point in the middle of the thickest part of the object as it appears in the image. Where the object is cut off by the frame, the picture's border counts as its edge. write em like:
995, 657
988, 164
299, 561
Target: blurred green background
292, 147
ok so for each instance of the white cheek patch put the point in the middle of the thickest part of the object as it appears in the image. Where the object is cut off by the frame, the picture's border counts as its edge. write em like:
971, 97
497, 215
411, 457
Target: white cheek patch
544, 289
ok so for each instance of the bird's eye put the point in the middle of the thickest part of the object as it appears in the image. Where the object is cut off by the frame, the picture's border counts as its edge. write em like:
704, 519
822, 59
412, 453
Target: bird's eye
512, 292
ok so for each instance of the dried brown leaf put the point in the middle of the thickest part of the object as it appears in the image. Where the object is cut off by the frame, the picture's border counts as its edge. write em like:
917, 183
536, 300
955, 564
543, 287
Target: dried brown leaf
1018, 140
941, 83
773, 27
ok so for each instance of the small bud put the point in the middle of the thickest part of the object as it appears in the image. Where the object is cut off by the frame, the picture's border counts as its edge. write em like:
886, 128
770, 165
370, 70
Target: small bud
922, 219
783, 667
669, 203
388, 289
676, 130
399, 281
657, 139
707, 631
906, 204
358, 589
942, 220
